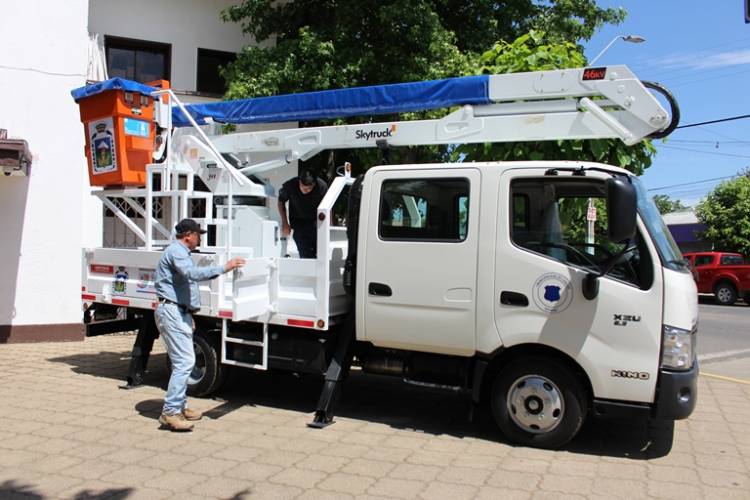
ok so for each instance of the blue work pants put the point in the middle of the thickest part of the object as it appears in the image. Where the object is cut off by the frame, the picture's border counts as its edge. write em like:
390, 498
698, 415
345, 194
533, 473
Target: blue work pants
176, 331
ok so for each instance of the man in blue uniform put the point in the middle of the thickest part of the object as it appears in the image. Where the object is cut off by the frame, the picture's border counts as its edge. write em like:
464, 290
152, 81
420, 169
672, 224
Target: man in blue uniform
176, 281
304, 194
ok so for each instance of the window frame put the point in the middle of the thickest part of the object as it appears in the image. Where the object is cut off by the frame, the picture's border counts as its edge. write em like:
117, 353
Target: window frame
202, 51
454, 206
135, 44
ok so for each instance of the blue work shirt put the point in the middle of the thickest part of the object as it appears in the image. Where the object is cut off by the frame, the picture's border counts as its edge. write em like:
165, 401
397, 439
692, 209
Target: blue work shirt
177, 276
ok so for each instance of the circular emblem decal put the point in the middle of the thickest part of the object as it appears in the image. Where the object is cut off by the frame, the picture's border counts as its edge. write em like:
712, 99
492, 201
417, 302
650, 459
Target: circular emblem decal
553, 293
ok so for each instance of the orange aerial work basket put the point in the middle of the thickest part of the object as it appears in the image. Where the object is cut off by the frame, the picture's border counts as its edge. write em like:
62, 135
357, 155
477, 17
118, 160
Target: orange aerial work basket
118, 120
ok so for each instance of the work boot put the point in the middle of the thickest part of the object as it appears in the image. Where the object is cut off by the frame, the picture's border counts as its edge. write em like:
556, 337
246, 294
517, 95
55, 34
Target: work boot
191, 414
175, 422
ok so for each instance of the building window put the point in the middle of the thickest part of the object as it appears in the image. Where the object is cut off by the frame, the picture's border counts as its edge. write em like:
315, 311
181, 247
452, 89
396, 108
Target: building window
210, 62
137, 60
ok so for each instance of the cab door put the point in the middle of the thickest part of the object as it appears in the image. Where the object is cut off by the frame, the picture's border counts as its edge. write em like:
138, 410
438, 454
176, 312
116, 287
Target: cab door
544, 251
420, 270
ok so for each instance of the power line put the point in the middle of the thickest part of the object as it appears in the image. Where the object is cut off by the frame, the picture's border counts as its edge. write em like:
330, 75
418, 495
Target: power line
720, 120
709, 142
689, 82
705, 152
720, 134
692, 183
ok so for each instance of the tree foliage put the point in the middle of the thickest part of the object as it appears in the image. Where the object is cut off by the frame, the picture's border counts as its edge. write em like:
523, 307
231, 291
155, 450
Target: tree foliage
321, 44
666, 205
310, 45
726, 214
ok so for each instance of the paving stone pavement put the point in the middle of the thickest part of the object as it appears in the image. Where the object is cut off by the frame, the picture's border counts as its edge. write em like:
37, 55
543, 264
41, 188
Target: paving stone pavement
69, 431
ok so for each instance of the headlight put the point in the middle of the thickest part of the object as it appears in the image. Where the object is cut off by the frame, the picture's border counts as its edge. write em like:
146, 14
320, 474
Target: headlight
678, 350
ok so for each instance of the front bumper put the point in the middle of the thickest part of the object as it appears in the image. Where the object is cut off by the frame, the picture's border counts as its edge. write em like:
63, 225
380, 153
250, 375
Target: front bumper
677, 393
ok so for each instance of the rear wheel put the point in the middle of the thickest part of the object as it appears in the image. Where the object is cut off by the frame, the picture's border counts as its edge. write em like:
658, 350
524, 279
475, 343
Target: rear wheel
208, 373
725, 294
538, 402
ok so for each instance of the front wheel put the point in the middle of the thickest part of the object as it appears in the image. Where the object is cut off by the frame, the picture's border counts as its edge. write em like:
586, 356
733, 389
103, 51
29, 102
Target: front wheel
538, 402
725, 294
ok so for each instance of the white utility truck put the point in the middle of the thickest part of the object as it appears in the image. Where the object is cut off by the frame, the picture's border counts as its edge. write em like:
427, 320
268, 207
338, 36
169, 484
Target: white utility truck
550, 289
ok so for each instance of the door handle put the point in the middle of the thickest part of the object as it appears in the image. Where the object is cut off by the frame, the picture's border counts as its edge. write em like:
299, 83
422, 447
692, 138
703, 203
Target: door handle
513, 299
379, 289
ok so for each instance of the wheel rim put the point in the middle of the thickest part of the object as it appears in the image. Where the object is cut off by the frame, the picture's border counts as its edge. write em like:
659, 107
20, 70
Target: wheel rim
199, 369
535, 404
724, 294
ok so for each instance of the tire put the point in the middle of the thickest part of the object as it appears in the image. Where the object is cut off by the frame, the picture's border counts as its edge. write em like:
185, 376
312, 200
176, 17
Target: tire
525, 418
725, 294
208, 374
746, 298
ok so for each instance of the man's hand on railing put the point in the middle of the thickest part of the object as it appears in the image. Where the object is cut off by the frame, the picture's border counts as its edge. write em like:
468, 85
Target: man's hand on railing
234, 264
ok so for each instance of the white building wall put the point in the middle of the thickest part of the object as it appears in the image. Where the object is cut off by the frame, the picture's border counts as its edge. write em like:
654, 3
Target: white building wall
185, 24
43, 57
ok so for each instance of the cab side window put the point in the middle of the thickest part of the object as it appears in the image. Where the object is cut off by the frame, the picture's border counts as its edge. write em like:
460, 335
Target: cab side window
703, 260
424, 210
566, 219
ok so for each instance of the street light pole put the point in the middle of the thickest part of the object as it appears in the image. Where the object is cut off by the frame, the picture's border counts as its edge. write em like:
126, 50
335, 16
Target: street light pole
627, 38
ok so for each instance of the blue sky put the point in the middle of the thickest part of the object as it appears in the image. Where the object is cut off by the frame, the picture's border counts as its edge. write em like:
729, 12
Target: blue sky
700, 51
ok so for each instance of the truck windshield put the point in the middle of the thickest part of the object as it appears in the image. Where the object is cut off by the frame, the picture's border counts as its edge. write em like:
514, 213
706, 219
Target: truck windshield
668, 250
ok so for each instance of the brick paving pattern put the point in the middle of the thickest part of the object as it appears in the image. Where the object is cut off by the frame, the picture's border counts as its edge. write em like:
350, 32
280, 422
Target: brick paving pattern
68, 431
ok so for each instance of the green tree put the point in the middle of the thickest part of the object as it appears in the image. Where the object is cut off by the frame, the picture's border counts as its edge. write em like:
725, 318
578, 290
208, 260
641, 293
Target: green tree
726, 214
321, 44
666, 205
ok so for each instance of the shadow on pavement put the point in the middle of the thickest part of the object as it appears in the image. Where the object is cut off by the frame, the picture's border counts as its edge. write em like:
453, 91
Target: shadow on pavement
380, 399
14, 490
11, 489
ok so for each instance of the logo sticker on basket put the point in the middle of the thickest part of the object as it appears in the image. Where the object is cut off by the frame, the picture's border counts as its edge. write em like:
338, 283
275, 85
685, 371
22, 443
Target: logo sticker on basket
103, 155
552, 293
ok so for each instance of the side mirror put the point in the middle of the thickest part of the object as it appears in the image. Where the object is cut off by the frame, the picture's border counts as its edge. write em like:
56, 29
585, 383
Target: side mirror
621, 208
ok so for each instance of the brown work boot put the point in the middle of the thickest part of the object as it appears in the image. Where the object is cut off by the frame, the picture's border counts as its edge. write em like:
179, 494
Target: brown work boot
191, 414
175, 422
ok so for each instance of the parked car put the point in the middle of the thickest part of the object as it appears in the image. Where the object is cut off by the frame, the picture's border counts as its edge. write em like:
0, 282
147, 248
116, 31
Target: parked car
724, 274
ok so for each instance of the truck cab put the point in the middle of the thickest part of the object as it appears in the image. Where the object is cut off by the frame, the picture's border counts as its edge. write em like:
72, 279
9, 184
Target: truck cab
489, 262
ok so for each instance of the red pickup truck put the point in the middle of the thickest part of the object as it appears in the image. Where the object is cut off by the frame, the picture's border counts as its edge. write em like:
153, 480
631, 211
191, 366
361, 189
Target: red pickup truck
726, 275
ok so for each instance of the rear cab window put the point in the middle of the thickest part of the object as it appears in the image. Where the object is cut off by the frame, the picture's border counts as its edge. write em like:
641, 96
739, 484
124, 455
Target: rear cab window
731, 260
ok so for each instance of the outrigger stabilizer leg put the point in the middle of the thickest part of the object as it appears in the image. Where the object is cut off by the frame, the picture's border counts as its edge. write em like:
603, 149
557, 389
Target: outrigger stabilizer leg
144, 342
335, 375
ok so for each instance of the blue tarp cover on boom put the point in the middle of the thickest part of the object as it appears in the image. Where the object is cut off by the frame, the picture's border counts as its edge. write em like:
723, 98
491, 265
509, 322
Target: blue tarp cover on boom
327, 104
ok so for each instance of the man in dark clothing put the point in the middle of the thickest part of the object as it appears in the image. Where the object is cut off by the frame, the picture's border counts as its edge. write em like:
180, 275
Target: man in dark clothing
304, 194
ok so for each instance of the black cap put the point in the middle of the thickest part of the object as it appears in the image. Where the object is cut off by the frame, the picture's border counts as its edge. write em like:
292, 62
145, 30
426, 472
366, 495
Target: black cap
188, 226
